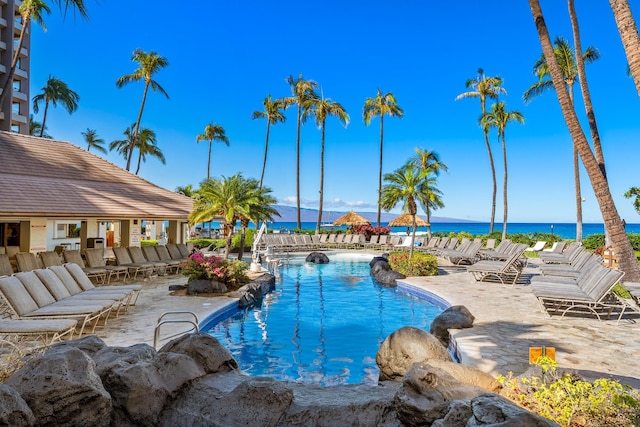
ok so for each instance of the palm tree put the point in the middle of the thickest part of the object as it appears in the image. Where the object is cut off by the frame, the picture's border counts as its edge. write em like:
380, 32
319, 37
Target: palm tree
230, 199
634, 192
629, 37
380, 105
260, 203
212, 132
627, 260
121, 146
35, 128
484, 87
53, 92
34, 10
146, 144
302, 90
92, 140
149, 64
498, 118
405, 185
566, 58
187, 190
321, 109
430, 164
273, 113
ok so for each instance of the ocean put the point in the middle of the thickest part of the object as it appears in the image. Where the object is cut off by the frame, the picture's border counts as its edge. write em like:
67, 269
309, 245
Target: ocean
564, 230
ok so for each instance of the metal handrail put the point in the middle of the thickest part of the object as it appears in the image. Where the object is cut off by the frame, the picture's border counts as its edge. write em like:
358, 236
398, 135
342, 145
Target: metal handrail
160, 322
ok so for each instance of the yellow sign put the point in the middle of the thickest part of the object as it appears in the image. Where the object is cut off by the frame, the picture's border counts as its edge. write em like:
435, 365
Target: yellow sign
536, 352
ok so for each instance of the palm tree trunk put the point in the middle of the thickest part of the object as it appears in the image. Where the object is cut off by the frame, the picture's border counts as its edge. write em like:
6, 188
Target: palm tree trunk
413, 235
428, 212
495, 182
243, 236
321, 181
14, 62
504, 188
586, 95
139, 162
298, 223
228, 230
627, 260
266, 150
135, 133
629, 36
209, 159
44, 117
576, 174
380, 172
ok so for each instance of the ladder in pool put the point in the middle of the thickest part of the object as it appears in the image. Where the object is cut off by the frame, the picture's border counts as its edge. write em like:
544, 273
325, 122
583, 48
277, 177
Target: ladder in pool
255, 248
179, 317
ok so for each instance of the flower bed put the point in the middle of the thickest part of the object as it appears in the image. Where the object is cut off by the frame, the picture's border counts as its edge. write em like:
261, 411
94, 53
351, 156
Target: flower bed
420, 265
232, 273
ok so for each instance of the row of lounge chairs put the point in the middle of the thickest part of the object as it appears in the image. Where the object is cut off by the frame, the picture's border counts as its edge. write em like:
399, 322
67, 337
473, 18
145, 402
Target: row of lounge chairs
53, 303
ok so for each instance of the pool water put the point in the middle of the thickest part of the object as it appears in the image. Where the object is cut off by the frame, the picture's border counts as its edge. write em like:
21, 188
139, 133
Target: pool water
323, 324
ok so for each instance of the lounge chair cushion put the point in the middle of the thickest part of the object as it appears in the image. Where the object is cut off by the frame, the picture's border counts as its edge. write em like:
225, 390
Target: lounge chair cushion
36, 288
53, 283
67, 279
79, 276
31, 327
17, 296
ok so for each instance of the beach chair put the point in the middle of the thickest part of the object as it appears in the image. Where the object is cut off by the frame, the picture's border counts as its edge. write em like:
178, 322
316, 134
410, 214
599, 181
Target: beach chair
468, 254
491, 244
184, 250
27, 261
50, 258
165, 256
95, 259
507, 271
97, 273
5, 265
151, 255
175, 252
566, 257
48, 331
138, 257
373, 241
123, 258
382, 241
557, 247
572, 269
537, 247
500, 253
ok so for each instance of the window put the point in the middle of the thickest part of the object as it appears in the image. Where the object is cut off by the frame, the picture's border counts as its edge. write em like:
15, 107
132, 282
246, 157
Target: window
67, 230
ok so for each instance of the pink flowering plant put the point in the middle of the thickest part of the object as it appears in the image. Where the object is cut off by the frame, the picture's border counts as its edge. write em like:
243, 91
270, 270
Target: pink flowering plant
231, 273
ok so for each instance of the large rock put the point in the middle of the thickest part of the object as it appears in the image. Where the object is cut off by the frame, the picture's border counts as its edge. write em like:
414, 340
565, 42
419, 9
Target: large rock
317, 258
494, 410
89, 344
468, 375
205, 350
454, 317
195, 287
62, 388
380, 266
14, 411
404, 347
389, 277
377, 259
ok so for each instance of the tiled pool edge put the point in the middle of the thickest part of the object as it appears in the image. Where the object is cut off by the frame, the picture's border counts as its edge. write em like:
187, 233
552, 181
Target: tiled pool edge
439, 302
219, 314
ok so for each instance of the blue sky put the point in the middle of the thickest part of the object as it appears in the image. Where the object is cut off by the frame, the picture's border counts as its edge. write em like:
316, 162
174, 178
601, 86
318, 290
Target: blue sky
225, 57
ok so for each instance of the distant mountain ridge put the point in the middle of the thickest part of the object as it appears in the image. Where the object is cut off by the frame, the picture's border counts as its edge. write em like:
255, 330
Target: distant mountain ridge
288, 214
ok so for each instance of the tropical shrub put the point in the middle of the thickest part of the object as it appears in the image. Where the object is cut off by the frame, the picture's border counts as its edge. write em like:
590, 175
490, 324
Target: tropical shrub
248, 240
232, 273
148, 242
593, 241
420, 265
370, 230
572, 401
202, 243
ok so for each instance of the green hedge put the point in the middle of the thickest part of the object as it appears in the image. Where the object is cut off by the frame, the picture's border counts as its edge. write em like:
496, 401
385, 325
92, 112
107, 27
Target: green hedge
420, 265
597, 241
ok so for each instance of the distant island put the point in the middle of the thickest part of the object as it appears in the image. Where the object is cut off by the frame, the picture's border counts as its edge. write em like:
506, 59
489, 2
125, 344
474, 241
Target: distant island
288, 214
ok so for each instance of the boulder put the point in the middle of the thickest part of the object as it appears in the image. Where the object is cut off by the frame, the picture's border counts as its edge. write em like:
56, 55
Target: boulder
14, 411
388, 278
205, 286
468, 375
404, 347
317, 258
205, 350
173, 288
426, 394
376, 259
89, 344
62, 388
454, 317
458, 414
380, 266
491, 409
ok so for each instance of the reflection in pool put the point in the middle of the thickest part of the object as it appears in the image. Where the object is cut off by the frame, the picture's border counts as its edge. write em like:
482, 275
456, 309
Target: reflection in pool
323, 324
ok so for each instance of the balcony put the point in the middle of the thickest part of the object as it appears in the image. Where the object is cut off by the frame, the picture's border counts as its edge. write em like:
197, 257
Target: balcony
17, 118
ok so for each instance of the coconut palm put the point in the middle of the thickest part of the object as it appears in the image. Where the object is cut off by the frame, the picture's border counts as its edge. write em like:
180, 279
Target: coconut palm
92, 140
627, 260
146, 143
35, 128
212, 133
273, 113
121, 146
260, 205
149, 64
429, 163
484, 87
53, 92
498, 118
629, 36
405, 185
33, 11
634, 192
302, 90
380, 105
187, 190
567, 60
321, 109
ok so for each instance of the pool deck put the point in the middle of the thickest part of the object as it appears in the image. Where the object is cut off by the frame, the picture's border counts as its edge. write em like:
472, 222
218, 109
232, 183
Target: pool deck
507, 322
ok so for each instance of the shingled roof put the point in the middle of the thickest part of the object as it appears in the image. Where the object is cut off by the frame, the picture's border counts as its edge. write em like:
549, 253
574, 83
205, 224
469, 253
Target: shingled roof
49, 178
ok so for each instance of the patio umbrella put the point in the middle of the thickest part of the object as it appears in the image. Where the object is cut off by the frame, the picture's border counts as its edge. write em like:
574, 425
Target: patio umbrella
351, 218
406, 220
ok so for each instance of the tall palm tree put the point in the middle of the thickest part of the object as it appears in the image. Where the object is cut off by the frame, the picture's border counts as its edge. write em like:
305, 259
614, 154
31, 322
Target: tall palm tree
484, 87
302, 91
148, 65
566, 58
53, 92
629, 36
430, 164
381, 105
321, 109
34, 10
92, 140
35, 128
212, 133
187, 190
627, 260
121, 146
498, 118
273, 113
146, 143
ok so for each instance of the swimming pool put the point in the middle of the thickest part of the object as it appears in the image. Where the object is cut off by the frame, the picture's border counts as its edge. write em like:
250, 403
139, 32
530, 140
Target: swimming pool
323, 324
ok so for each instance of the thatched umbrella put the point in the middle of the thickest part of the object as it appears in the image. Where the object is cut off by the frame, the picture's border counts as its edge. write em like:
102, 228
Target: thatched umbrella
406, 220
352, 218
